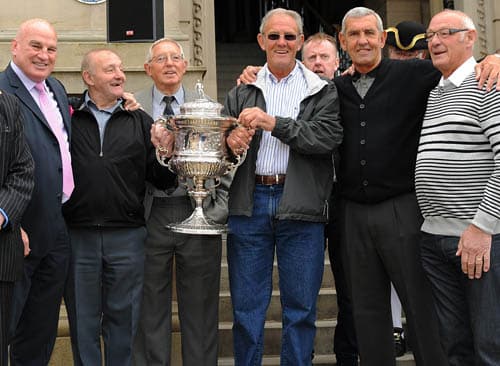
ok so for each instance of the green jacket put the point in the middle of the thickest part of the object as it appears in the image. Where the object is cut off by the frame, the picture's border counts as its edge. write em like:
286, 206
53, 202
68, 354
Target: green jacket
312, 138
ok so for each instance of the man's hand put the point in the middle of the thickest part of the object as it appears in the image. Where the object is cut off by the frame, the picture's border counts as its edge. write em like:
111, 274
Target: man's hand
239, 139
256, 118
249, 75
131, 103
2, 220
488, 72
474, 247
26, 242
349, 71
162, 139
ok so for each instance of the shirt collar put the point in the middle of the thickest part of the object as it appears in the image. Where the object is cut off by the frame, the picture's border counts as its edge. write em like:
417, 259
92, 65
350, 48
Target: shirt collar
90, 104
158, 95
273, 78
371, 74
459, 75
27, 82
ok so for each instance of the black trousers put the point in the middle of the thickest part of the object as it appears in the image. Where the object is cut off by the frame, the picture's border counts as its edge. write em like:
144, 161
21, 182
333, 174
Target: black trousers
36, 304
382, 243
345, 345
6, 292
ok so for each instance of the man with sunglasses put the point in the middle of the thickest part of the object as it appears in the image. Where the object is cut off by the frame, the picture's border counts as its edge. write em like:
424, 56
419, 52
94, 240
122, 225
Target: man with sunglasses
278, 198
457, 182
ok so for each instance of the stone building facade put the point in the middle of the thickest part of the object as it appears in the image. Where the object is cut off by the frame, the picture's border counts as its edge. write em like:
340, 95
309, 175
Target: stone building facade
82, 27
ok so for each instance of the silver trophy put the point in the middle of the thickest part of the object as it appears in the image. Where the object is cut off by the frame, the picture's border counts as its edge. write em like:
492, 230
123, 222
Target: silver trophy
200, 153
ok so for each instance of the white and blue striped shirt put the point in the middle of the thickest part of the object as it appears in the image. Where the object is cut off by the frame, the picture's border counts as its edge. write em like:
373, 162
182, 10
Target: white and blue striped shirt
283, 99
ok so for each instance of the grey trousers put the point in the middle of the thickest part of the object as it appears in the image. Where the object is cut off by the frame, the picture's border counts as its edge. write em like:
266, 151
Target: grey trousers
197, 274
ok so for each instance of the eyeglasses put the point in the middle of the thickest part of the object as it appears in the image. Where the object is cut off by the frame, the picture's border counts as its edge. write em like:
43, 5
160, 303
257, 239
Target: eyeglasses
163, 58
443, 33
276, 36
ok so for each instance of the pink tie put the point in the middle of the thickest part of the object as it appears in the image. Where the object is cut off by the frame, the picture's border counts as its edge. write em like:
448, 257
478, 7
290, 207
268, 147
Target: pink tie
54, 119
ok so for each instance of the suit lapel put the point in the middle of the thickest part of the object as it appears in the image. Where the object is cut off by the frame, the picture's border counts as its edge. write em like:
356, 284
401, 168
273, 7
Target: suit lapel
24, 95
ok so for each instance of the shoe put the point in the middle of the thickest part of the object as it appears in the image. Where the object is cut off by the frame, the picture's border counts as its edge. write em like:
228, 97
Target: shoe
399, 342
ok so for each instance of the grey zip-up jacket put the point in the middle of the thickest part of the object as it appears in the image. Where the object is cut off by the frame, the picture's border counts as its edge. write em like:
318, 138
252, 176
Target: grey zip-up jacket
312, 138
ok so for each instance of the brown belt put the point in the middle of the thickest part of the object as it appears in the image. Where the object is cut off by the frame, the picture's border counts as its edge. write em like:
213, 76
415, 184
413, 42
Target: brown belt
269, 180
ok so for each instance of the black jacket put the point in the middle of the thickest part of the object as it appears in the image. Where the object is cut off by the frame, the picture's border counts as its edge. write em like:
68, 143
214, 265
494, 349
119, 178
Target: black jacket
110, 181
312, 138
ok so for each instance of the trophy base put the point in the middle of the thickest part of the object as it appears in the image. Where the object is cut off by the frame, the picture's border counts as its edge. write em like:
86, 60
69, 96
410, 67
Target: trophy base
198, 224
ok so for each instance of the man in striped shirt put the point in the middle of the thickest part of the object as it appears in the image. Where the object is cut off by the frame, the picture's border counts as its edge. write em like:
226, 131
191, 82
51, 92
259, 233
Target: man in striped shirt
278, 198
458, 188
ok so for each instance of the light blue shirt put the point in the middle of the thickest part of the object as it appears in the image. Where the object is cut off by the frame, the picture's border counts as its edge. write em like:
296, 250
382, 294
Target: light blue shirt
159, 104
102, 116
283, 99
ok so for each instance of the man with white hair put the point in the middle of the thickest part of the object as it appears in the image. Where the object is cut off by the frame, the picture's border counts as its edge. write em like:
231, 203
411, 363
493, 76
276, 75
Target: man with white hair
278, 198
196, 258
457, 183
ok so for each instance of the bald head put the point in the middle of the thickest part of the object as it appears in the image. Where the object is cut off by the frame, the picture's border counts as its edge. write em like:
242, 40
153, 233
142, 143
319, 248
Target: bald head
34, 49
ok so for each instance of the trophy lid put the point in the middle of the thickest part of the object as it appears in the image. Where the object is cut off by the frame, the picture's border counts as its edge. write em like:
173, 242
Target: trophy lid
202, 105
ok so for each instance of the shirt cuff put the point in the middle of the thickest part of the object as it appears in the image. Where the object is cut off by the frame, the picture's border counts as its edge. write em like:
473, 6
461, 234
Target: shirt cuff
6, 222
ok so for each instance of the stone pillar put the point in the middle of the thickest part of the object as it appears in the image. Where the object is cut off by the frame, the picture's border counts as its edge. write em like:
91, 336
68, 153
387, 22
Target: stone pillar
483, 13
400, 10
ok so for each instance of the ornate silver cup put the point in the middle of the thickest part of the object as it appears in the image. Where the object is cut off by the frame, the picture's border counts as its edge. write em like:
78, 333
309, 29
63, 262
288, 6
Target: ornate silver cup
200, 153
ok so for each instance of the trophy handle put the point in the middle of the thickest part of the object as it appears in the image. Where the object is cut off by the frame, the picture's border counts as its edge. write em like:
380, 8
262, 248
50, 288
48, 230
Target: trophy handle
168, 123
216, 183
239, 160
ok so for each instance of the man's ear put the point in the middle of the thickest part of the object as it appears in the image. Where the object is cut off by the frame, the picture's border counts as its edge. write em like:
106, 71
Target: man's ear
342, 41
147, 68
87, 77
260, 40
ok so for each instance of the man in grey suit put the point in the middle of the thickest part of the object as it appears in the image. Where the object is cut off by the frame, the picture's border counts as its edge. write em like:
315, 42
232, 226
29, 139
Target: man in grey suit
16, 185
197, 257
45, 111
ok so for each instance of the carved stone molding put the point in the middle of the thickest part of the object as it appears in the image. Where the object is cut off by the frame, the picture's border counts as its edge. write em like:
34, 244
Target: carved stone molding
482, 35
197, 33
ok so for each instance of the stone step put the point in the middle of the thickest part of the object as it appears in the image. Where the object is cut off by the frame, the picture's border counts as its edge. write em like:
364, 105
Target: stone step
326, 360
272, 337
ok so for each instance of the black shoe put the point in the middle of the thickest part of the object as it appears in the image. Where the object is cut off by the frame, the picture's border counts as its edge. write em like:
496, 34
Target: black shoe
399, 342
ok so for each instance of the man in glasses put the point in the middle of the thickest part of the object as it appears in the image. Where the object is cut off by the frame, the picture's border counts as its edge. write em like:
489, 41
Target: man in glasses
197, 257
278, 198
380, 217
457, 183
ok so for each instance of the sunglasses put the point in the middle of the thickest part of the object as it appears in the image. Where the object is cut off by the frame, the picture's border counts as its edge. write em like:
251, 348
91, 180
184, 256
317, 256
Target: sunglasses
276, 36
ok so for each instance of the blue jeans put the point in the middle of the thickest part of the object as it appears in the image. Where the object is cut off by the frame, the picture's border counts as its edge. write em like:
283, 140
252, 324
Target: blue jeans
468, 310
299, 247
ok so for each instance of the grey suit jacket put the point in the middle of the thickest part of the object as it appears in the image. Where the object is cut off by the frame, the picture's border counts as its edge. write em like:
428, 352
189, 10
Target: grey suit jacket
16, 185
214, 206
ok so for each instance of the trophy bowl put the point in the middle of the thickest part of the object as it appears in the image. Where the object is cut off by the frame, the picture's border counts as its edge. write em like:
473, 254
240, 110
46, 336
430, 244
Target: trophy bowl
200, 153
